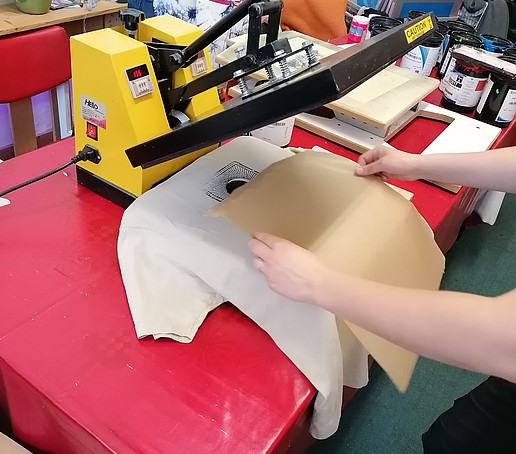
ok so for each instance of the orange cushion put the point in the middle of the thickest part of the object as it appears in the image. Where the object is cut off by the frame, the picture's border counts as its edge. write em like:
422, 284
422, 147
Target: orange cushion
322, 19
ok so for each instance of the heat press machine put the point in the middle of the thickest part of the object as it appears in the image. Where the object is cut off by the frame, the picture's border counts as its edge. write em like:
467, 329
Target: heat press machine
145, 95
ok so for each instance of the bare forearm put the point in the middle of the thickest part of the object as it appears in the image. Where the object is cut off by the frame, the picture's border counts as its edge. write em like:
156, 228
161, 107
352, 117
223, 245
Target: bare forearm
464, 330
495, 169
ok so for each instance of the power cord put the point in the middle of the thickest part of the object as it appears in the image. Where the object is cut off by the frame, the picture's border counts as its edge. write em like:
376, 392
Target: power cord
88, 153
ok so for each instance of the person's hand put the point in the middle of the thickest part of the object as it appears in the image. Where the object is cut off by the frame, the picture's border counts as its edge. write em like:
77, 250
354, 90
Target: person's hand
386, 162
290, 270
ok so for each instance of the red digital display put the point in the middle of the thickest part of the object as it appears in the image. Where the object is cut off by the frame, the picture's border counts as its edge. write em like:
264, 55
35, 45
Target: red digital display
137, 72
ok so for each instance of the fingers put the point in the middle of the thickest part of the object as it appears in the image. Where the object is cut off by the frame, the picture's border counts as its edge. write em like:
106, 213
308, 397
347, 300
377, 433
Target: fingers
371, 162
368, 156
259, 248
370, 169
258, 264
266, 238
261, 245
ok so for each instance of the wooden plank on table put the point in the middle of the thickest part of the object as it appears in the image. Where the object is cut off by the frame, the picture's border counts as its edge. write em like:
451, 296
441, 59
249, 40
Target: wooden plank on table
382, 99
13, 20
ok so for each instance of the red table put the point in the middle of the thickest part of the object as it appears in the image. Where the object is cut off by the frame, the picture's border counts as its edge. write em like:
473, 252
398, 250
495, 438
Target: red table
73, 376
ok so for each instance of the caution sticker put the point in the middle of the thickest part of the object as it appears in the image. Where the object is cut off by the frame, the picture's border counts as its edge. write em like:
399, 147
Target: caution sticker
418, 29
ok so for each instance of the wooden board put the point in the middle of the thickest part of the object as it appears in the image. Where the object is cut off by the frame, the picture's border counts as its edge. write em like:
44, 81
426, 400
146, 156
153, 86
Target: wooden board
381, 100
12, 20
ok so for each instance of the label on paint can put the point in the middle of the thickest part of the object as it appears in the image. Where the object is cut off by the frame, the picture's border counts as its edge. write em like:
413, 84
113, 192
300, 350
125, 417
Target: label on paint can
449, 62
444, 79
444, 44
485, 93
462, 90
421, 59
507, 110
278, 133
358, 29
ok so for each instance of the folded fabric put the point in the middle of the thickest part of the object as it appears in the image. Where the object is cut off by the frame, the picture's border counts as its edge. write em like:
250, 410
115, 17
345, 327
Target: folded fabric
178, 264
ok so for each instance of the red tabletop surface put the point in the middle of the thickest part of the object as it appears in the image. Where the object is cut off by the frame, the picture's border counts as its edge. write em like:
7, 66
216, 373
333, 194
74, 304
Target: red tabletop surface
73, 376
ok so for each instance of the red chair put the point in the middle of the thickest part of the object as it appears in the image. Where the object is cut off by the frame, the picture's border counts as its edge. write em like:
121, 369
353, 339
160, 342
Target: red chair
32, 63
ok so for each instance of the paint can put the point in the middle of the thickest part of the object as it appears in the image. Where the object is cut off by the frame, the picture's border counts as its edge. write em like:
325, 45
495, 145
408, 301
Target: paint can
412, 14
495, 44
278, 133
497, 105
452, 26
377, 29
423, 58
456, 38
444, 30
510, 52
381, 24
463, 86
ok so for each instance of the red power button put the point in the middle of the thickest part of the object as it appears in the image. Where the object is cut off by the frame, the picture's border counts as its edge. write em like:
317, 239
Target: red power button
92, 131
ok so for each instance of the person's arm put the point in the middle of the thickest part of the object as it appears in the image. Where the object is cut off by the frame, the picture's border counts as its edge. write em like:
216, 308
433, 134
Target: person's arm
465, 330
494, 169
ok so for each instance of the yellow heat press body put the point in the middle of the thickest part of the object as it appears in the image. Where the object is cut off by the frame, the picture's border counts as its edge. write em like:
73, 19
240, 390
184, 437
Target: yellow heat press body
117, 103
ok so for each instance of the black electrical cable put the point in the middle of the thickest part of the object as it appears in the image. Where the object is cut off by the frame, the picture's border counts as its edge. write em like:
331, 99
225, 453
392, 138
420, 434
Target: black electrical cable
87, 154
33, 180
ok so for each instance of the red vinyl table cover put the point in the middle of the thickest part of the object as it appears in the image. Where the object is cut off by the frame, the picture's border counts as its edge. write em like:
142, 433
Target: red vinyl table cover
73, 376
